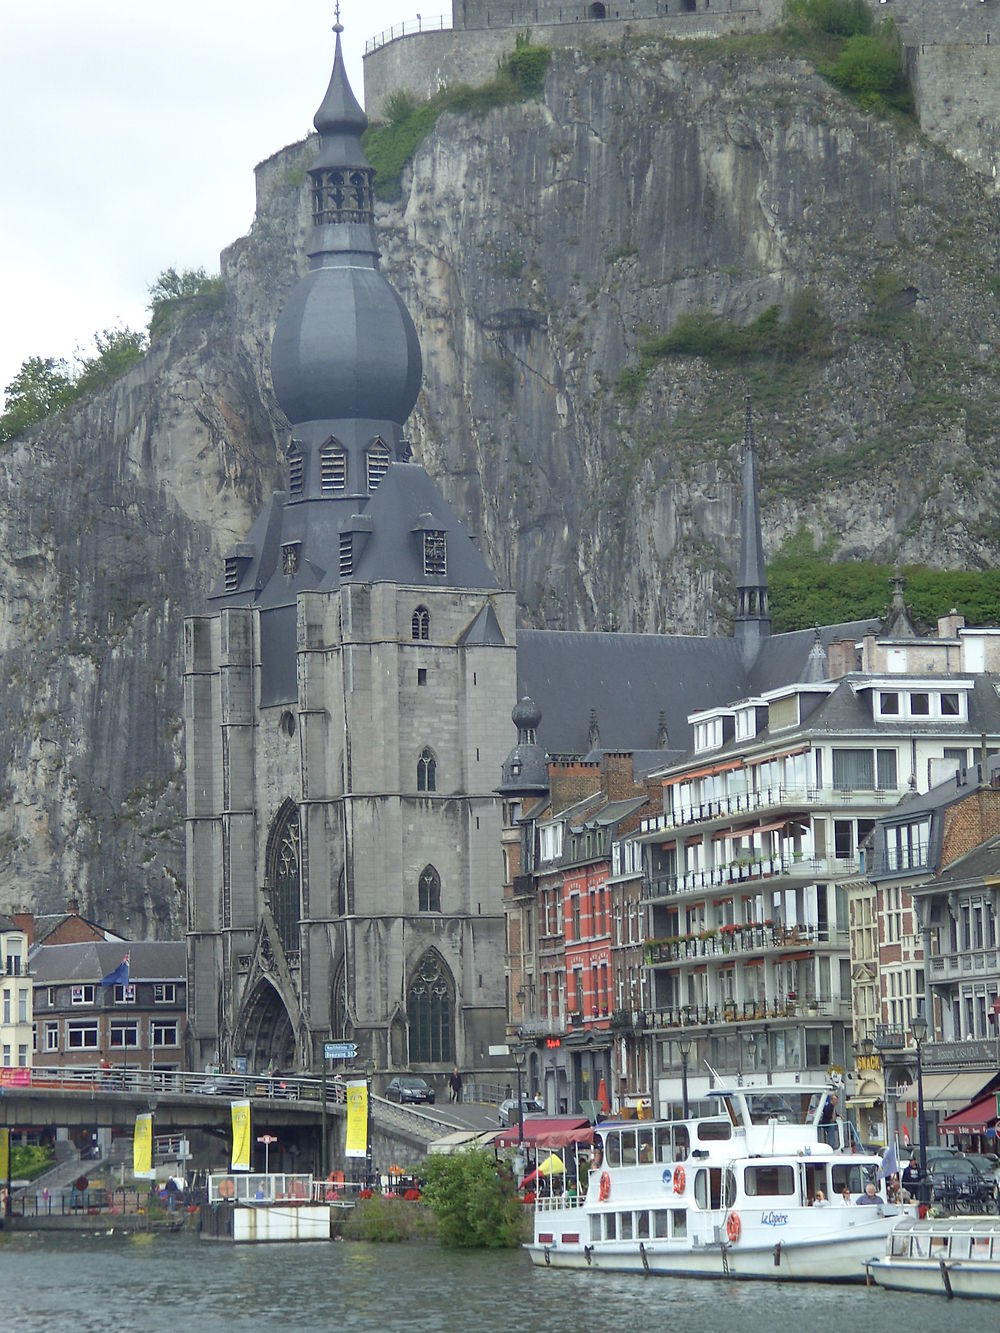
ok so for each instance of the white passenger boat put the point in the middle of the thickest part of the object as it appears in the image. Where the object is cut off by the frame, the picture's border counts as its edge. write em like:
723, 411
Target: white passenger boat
954, 1256
726, 1195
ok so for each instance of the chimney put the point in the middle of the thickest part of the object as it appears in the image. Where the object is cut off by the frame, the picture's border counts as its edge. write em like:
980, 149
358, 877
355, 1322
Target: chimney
949, 625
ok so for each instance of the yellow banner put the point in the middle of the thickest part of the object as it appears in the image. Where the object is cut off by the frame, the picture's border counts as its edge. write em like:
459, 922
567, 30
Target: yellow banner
142, 1147
356, 1144
4, 1157
241, 1136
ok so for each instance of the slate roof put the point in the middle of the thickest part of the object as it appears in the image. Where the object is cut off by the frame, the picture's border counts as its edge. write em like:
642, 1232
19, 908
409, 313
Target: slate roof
160, 960
981, 863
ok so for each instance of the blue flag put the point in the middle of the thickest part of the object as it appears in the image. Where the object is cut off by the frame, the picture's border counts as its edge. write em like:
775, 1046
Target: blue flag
119, 977
890, 1163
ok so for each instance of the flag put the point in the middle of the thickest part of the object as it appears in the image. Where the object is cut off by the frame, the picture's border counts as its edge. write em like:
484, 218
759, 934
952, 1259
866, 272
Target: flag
241, 1135
119, 977
142, 1147
890, 1162
356, 1143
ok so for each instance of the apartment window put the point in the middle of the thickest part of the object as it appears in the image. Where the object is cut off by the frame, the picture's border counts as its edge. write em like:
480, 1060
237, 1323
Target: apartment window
435, 554
920, 704
864, 770
889, 703
125, 994
950, 706
6, 1055
81, 1036
22, 1056
162, 1032
22, 1006
426, 771
420, 625
421, 675
13, 964
52, 1036
51, 997
843, 838
164, 992
124, 1034
6, 1006
82, 995
577, 929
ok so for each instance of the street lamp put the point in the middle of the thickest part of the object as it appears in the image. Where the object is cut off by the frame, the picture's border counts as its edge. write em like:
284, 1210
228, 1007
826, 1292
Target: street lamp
518, 1053
752, 1051
369, 1072
684, 1044
918, 1029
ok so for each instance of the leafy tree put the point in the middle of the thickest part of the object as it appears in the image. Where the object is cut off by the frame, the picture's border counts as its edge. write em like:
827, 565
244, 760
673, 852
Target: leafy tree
476, 1205
172, 290
43, 385
837, 18
118, 350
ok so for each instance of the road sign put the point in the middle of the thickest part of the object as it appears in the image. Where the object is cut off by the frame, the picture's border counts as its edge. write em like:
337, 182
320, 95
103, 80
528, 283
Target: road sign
267, 1138
339, 1050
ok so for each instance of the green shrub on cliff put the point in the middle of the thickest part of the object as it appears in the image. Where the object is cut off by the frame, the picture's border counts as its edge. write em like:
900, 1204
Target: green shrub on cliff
836, 18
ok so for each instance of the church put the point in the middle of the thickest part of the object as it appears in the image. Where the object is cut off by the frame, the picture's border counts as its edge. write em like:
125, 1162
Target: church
348, 693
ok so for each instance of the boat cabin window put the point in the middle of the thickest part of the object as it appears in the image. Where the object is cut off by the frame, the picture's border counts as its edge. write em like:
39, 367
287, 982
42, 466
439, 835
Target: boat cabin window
662, 1140
642, 1225
681, 1142
661, 1223
613, 1149
679, 1219
767, 1106
646, 1145
814, 1178
900, 1245
610, 1226
770, 1180
625, 1226
628, 1147
713, 1131
854, 1178
708, 1187
960, 1244
595, 1227
921, 1245
730, 1195
981, 1247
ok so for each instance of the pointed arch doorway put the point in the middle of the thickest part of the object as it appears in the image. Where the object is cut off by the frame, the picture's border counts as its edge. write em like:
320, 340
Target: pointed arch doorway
264, 1033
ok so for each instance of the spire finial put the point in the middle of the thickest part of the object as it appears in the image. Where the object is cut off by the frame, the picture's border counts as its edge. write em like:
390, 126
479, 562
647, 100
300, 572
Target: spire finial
338, 27
748, 442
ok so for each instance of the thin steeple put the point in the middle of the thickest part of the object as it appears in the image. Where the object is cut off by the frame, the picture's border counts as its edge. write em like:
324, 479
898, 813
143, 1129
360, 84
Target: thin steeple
753, 613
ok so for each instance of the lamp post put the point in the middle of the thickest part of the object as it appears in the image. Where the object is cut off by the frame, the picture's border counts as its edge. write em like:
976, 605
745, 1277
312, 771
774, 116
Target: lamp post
752, 1051
518, 1053
918, 1028
867, 1048
684, 1046
369, 1071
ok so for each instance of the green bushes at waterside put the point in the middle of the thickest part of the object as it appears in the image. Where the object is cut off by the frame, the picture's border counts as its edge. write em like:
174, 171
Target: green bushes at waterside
474, 1200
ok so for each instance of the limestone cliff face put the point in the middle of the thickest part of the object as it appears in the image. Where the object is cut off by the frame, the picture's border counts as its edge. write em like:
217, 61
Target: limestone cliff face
536, 248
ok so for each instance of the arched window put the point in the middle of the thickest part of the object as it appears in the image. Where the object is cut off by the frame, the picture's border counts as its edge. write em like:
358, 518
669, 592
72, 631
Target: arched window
332, 468
429, 1011
429, 890
283, 877
420, 626
377, 459
296, 470
426, 770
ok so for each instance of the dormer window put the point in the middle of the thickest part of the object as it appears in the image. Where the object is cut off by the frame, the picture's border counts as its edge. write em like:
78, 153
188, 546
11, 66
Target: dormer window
232, 573
708, 734
296, 470
236, 565
435, 553
332, 468
346, 555
290, 557
898, 705
377, 459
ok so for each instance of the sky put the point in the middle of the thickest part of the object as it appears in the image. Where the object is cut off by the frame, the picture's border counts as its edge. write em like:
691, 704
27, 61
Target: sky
129, 132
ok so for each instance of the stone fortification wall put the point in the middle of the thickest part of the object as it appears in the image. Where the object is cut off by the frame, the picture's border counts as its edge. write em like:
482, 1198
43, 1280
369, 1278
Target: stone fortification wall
422, 63
500, 13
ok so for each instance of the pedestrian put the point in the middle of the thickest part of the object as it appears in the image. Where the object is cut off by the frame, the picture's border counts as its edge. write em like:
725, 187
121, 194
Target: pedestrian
455, 1083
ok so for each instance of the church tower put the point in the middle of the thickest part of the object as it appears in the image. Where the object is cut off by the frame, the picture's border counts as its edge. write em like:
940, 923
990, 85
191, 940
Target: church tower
345, 697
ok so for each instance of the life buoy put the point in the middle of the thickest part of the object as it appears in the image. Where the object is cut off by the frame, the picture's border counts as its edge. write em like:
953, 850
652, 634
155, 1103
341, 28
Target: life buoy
605, 1186
680, 1180
227, 1188
733, 1227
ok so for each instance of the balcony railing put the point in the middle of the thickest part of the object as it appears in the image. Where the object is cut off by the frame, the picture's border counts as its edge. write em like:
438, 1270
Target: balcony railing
743, 872
769, 798
740, 940
746, 1011
974, 962
889, 1037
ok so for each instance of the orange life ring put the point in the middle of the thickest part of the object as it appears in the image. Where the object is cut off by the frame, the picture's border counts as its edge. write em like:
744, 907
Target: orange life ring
227, 1188
605, 1186
680, 1180
733, 1227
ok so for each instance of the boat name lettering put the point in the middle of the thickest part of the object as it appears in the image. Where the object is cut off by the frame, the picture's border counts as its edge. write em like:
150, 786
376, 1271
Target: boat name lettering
771, 1219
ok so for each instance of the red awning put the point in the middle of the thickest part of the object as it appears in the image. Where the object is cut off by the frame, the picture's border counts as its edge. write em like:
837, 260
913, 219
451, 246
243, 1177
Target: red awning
975, 1118
707, 771
549, 1132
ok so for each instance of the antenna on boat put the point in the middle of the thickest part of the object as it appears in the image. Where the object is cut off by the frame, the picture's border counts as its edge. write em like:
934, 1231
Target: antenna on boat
716, 1079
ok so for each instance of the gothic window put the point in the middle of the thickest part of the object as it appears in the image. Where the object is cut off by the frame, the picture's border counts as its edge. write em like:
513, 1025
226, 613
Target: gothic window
420, 626
435, 553
429, 1011
283, 875
296, 470
377, 459
426, 770
429, 890
332, 468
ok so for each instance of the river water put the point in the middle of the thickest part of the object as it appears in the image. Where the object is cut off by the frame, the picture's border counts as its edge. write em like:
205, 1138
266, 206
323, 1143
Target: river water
92, 1284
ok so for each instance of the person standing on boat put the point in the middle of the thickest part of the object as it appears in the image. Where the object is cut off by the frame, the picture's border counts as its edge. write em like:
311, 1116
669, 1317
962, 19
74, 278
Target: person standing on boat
455, 1083
828, 1121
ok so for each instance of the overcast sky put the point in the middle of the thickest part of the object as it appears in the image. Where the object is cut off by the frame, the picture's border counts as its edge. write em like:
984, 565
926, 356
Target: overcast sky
129, 132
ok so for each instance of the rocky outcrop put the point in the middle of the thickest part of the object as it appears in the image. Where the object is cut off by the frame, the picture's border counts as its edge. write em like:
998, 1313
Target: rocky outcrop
537, 248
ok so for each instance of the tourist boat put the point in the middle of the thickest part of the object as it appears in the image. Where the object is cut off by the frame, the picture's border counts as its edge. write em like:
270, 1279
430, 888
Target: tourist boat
955, 1256
730, 1194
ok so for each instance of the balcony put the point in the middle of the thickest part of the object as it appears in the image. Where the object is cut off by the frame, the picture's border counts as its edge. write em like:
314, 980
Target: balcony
889, 1038
947, 967
746, 1011
769, 800
748, 939
803, 868
523, 886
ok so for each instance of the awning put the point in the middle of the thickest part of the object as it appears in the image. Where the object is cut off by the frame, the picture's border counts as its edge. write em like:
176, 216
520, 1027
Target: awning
980, 1116
549, 1132
864, 1101
706, 771
945, 1091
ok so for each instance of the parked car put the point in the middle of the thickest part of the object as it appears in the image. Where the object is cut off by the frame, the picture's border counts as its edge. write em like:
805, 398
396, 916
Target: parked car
529, 1106
959, 1186
987, 1163
409, 1088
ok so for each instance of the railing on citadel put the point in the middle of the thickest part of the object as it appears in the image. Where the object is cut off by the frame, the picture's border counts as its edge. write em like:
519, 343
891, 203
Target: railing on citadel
420, 23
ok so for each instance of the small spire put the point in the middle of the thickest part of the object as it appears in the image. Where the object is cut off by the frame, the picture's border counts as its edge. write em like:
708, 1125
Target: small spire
753, 615
594, 733
662, 735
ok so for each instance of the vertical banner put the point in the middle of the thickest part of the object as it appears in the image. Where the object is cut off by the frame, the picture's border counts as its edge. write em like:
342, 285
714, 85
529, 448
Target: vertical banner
241, 1136
142, 1147
4, 1155
356, 1143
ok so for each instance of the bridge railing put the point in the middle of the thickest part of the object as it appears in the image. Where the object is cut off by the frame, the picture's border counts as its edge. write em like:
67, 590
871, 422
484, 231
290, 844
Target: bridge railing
70, 1201
234, 1086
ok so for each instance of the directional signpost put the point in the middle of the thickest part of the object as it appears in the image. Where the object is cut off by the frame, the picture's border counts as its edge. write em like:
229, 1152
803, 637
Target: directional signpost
332, 1050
